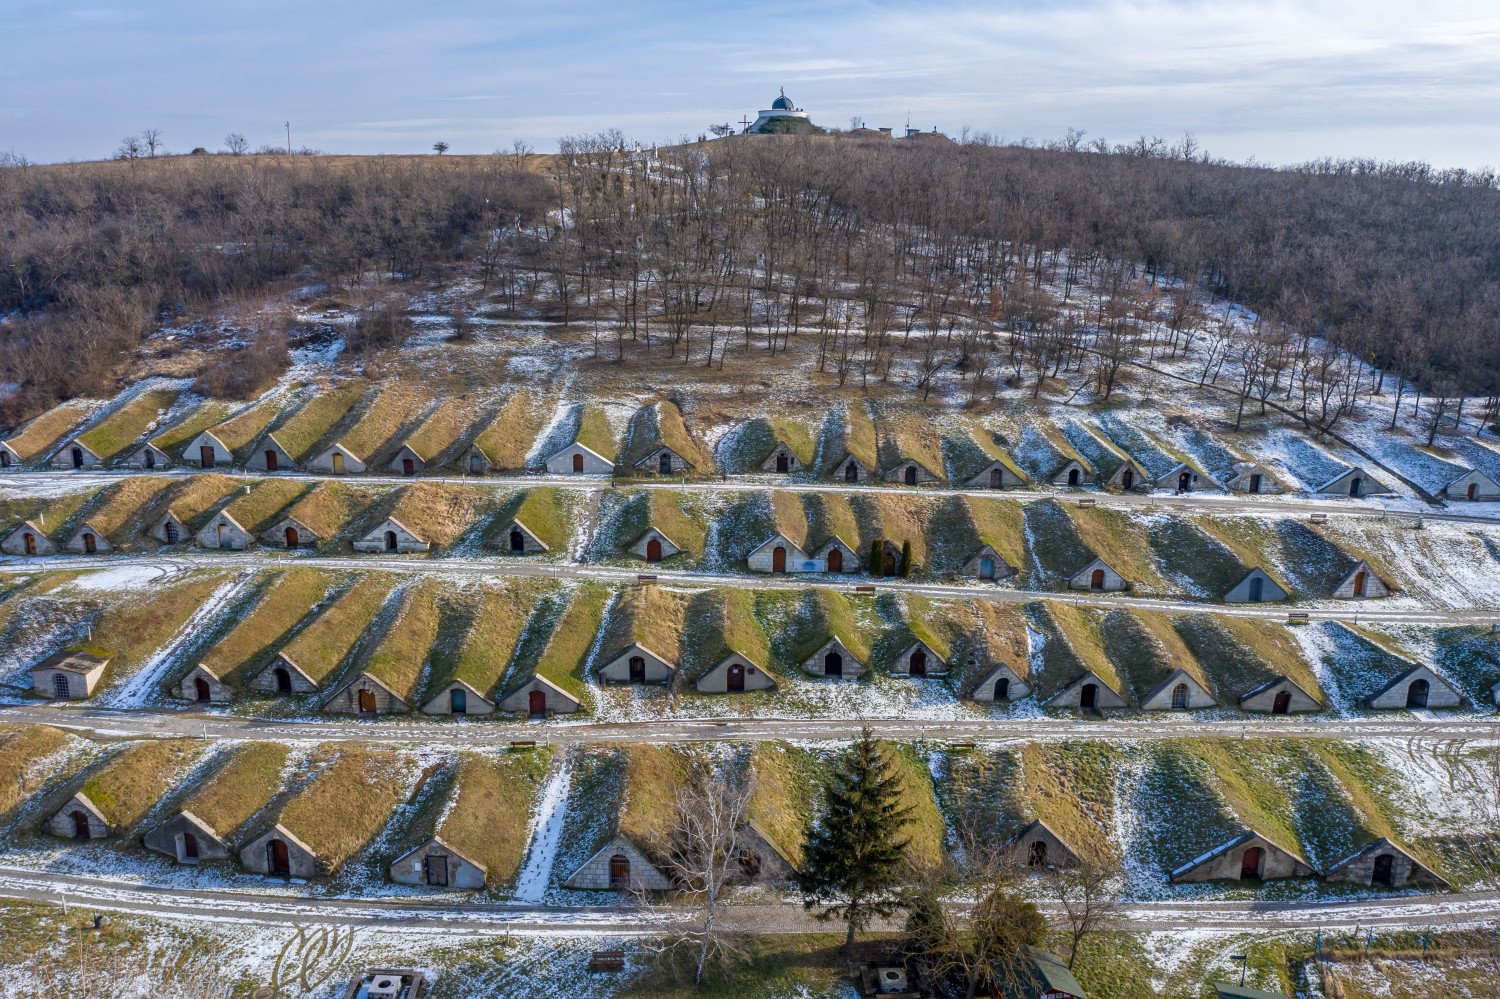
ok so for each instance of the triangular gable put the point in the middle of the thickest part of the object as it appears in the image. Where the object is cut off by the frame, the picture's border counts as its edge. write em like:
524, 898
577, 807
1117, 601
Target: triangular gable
1087, 676
159, 529
1276, 681
638, 648
1375, 585
17, 539
446, 847
81, 800
793, 550
1080, 579
1036, 825
391, 523
204, 830
834, 644
618, 843
436, 700
407, 451
537, 680
836, 542
281, 660
582, 447
1179, 675
101, 540
645, 538
1418, 671
518, 525
1017, 688
1241, 839
733, 656
1369, 485
368, 678
1384, 845
276, 533
1271, 590
655, 453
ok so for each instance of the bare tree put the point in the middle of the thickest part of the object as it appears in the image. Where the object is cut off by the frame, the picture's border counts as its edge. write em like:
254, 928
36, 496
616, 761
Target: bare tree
152, 139
1088, 894
983, 948
236, 143
130, 148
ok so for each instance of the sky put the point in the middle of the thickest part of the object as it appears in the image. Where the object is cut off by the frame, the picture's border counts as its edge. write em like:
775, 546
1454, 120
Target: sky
1276, 82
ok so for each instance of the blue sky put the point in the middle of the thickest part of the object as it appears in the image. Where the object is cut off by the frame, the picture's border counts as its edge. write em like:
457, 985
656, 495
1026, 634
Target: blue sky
1277, 81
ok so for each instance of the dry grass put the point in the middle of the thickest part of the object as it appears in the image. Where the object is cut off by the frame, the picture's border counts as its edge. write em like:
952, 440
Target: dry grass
721, 621
329, 506
653, 777
907, 437
595, 433
119, 511
1080, 628
566, 656
437, 512
999, 636
487, 646
829, 515
126, 787
193, 498
320, 647
650, 616
1122, 541
925, 828
172, 440
49, 429
397, 660
300, 434
393, 407
1169, 651
509, 436
442, 429
131, 629
1055, 795
261, 504
789, 517
48, 514
244, 428
346, 805
243, 785
288, 596
22, 747
121, 428
896, 518
545, 512
784, 782
795, 435
1242, 653
491, 810
859, 435
672, 431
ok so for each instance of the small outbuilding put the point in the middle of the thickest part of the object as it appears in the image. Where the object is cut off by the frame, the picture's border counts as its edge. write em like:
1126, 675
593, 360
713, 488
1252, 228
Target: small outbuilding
1355, 483
988, 565
577, 459
270, 456
851, 469
203, 686
734, 674
782, 460
1087, 692
169, 529
834, 659
619, 865
1472, 486
1037, 846
663, 461
1383, 864
1362, 583
1247, 856
999, 684
366, 695
80, 818
291, 534
539, 697
1184, 478
76, 455
1280, 695
88, 540
27, 540
337, 460
1180, 691
1418, 687
277, 853
637, 664
1044, 975
391, 537
223, 531
147, 458
437, 864
518, 539
1256, 587
1253, 479
778, 553
458, 698
71, 674
207, 451
1099, 577
919, 659
653, 546
187, 839
911, 472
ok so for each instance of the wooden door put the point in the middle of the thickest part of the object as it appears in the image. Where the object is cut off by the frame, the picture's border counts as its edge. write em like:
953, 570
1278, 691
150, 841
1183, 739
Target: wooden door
77, 457
778, 559
986, 568
89, 544
458, 701
223, 535
637, 669
1356, 486
30, 541
408, 467
80, 824
390, 541
736, 678
619, 872
436, 868
888, 564
367, 702
200, 687
1383, 872
1180, 697
997, 478
517, 541
537, 702
1127, 480
1283, 703
338, 463
851, 472
1096, 580
1473, 490
1255, 483
653, 550
911, 475
291, 537
206, 457
782, 465
277, 858
1359, 583
1037, 855
271, 461
835, 560
577, 462
1250, 863
1184, 483
664, 464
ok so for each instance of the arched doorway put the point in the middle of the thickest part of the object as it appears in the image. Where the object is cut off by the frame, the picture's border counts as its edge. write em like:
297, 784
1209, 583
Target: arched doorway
172, 533
653, 550
517, 540
80, 824
1088, 697
734, 679
1096, 579
367, 702
1073, 476
29, 540
1359, 583
150, 458
536, 702
888, 564
1127, 479
292, 537
1002, 689
664, 463
778, 559
1250, 863
1184, 482
918, 664
835, 560
619, 872
1036, 856
408, 467
1180, 697
1257, 589
997, 478
910, 476
90, 544
61, 685
201, 689
283, 680
278, 861
189, 847
458, 701
77, 457
1473, 491
986, 568
1283, 703
1383, 873
1416, 694
782, 464
851, 472
577, 462
272, 461
637, 669
833, 664
390, 541
223, 535
1356, 486
1255, 483
206, 456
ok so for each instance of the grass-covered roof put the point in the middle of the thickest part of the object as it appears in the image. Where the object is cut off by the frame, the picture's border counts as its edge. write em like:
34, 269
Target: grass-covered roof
244, 783
661, 424
131, 630
302, 431
329, 507
440, 513
801, 624
595, 433
193, 498
499, 615
565, 658
720, 621
120, 429
909, 437
320, 647
442, 429
546, 511
1075, 643
22, 747
397, 660
1239, 654
342, 809
287, 597
647, 615
119, 512
126, 787
973, 449
489, 809
859, 437
1146, 649
244, 428
785, 787
49, 429
260, 504
391, 409
175, 438
654, 774
510, 434
959, 526
677, 515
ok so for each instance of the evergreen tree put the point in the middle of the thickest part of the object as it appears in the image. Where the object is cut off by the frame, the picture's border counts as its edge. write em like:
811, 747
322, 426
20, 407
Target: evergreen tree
905, 569
855, 858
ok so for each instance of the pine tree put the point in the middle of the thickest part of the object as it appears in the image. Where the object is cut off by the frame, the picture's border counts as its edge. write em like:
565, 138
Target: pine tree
905, 569
856, 856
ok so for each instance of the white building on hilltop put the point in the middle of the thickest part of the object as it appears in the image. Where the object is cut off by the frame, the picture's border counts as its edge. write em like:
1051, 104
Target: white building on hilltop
781, 109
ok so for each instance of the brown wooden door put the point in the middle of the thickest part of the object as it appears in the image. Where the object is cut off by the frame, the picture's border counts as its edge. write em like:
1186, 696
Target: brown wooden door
206, 457
1359, 583
782, 465
367, 702
408, 467
277, 858
1283, 703
1255, 483
918, 665
997, 478
1127, 480
653, 550
578, 463
291, 537
271, 461
778, 558
537, 702
436, 868
80, 825
910, 476
736, 678
89, 544
30, 541
1250, 863
619, 872
888, 564
637, 669
1096, 580
835, 560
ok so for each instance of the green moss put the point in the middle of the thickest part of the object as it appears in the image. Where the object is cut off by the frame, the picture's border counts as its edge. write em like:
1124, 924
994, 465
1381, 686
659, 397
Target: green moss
243, 784
172, 440
595, 433
300, 434
122, 427
126, 787
566, 656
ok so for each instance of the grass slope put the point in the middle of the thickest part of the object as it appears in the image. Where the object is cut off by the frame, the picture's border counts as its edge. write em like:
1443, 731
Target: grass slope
120, 429
321, 646
508, 437
287, 597
244, 784
400, 656
126, 787
346, 805
302, 431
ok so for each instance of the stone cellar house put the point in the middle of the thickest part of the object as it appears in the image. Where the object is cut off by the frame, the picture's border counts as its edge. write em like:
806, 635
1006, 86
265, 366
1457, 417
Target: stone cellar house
1256, 587
1180, 691
618, 865
1087, 692
1001, 681
187, 839
1247, 856
1037, 846
203, 686
223, 531
518, 539
579, 459
71, 674
1280, 695
437, 864
392, 537
79, 818
988, 565
1355, 483
539, 696
1416, 687
1098, 576
270, 456
27, 540
778, 553
278, 852
207, 451
783, 460
625, 851
653, 546
920, 658
88, 540
1362, 583
1384, 864
733, 674
203, 826
1184, 477
833, 659
1473, 486
115, 796
146, 458
78, 456
169, 529
637, 664
1252, 478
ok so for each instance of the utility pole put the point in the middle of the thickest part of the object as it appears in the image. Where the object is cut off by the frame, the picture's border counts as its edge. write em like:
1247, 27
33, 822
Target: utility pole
289, 138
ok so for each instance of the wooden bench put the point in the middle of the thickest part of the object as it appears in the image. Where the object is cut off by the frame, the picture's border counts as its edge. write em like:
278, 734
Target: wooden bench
646, 577
1087, 501
607, 960
865, 588
1319, 518
1297, 617
523, 744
